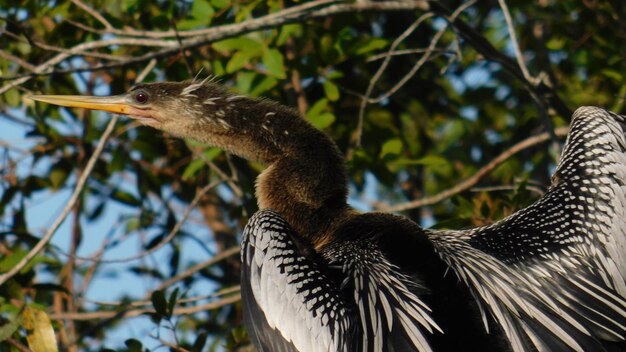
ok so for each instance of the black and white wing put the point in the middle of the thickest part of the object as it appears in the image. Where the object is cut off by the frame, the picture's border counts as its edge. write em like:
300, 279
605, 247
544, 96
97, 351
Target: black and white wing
349, 297
391, 315
289, 303
553, 275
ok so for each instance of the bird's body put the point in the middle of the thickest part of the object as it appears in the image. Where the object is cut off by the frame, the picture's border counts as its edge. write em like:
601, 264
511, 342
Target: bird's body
319, 276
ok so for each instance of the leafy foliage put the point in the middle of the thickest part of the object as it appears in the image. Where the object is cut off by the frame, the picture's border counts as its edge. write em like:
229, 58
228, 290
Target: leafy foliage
466, 103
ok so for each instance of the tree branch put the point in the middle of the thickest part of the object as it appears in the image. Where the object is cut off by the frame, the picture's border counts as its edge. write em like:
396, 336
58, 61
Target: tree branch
172, 47
80, 184
484, 47
470, 182
129, 313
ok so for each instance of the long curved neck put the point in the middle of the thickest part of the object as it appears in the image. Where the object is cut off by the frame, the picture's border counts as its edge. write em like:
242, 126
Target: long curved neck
305, 180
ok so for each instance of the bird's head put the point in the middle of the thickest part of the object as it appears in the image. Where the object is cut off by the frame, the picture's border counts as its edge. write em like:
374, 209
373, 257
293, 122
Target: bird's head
184, 109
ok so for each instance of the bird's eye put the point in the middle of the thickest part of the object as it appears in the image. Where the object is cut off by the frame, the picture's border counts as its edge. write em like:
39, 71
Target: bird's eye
141, 97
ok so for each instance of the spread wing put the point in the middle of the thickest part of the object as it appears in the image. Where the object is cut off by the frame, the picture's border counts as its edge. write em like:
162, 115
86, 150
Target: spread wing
392, 317
553, 275
289, 303
292, 304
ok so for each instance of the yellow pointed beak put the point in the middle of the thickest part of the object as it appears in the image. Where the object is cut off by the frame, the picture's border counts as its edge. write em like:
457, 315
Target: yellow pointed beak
116, 104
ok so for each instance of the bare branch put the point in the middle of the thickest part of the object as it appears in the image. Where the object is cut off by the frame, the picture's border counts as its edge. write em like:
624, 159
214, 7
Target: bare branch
379, 72
136, 312
484, 47
470, 182
9, 57
431, 47
93, 13
176, 227
80, 184
516, 48
195, 268
172, 47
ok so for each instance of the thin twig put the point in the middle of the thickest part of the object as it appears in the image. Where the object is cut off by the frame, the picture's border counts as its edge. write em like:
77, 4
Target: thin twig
94, 14
195, 268
229, 180
516, 48
470, 182
482, 45
431, 47
172, 346
174, 230
146, 71
533, 81
148, 301
136, 312
171, 47
12, 58
533, 189
406, 52
379, 72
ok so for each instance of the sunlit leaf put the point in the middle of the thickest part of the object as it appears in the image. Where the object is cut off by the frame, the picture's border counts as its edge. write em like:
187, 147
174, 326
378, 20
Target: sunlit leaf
41, 337
331, 90
273, 60
318, 117
220, 4
8, 328
392, 146
368, 45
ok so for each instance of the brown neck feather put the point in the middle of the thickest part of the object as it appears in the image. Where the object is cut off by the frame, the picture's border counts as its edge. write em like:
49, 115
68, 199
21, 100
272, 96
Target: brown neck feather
305, 180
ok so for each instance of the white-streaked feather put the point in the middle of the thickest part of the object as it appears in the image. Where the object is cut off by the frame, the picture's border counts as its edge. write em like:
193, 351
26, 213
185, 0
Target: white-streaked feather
555, 272
384, 300
277, 278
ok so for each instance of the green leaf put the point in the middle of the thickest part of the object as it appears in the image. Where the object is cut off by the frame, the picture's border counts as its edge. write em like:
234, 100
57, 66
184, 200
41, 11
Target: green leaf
432, 160
154, 317
265, 85
317, 108
172, 302
288, 31
239, 44
555, 43
198, 345
192, 169
159, 303
220, 4
9, 328
11, 260
275, 63
368, 45
245, 80
132, 225
13, 97
201, 13
125, 198
57, 178
237, 61
391, 147
327, 49
331, 90
318, 117
41, 337
212, 153
322, 120
133, 345
612, 74
218, 68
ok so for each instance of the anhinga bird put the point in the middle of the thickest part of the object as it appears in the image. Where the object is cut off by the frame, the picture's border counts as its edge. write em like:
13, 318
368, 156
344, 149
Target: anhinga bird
319, 276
